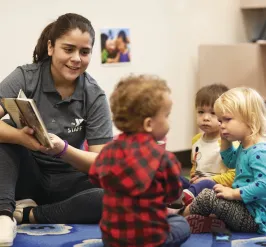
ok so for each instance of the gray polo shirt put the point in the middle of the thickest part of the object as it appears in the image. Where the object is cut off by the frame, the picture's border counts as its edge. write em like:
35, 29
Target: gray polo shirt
84, 115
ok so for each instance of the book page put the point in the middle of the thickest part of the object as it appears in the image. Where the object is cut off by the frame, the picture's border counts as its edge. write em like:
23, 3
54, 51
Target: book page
21, 95
33, 120
13, 111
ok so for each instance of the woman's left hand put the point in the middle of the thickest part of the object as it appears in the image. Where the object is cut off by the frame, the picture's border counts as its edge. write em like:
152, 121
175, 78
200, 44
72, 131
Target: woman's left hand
58, 143
224, 192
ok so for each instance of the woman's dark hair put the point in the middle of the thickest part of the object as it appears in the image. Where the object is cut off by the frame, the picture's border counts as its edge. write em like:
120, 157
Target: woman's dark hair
58, 28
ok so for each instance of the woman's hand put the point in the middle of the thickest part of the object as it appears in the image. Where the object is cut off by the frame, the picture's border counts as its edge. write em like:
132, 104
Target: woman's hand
27, 139
58, 143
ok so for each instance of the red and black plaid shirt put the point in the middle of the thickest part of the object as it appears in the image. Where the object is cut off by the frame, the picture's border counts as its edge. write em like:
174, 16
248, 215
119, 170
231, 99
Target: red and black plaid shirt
139, 178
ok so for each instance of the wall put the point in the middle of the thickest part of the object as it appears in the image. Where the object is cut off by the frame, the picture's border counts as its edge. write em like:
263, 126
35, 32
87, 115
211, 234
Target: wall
165, 35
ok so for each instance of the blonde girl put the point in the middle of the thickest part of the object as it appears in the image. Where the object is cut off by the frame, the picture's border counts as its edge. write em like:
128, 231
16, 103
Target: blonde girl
241, 112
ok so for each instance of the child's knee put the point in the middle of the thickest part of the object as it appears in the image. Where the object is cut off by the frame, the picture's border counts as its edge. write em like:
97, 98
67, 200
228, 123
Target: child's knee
203, 203
206, 195
180, 229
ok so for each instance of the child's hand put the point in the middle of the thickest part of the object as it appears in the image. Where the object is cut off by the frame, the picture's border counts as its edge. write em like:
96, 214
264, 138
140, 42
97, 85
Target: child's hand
193, 179
222, 136
224, 192
225, 144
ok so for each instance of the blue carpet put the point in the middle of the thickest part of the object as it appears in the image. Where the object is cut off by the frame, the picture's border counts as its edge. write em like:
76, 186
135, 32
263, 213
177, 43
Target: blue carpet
89, 236
58, 235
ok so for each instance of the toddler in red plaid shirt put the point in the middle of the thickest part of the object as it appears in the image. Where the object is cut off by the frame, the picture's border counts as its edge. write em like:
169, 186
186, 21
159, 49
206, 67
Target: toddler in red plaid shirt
138, 176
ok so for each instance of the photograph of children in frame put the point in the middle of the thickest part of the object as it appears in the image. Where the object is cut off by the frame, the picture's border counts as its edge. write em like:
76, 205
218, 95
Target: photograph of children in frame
115, 45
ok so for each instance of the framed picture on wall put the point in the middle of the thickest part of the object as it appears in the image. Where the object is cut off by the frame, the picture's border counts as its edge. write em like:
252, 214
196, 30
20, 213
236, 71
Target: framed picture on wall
115, 46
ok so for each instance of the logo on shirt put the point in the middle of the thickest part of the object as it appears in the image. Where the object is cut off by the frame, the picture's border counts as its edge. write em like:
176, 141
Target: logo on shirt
76, 125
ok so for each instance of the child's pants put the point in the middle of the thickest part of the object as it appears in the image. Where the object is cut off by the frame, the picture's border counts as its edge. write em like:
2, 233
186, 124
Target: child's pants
234, 213
195, 189
179, 231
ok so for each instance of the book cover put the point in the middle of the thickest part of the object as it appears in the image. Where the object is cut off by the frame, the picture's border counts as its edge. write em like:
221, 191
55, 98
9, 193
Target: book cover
24, 112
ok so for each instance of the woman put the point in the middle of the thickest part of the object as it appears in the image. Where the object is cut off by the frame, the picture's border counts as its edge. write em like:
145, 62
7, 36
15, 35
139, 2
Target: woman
74, 108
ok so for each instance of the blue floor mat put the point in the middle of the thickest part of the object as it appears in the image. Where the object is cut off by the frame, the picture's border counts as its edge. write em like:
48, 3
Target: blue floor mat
35, 235
205, 240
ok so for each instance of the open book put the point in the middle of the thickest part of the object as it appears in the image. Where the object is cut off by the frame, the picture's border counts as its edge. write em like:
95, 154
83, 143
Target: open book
24, 112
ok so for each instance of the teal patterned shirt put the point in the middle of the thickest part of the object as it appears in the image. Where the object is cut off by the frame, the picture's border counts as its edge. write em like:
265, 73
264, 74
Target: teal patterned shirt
250, 165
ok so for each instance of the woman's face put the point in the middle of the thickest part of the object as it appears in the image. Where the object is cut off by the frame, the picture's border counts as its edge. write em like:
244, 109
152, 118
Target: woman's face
71, 55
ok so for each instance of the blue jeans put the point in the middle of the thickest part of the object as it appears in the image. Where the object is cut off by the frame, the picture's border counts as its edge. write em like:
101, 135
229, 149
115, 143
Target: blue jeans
195, 189
179, 231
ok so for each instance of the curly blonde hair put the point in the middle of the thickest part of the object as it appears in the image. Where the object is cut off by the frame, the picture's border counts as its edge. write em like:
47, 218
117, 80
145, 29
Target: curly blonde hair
136, 98
245, 104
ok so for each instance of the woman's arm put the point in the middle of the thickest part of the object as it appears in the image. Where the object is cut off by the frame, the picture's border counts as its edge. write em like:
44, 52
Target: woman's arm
80, 159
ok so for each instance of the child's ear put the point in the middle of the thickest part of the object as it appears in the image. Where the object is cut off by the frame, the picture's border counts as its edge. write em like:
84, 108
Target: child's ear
147, 124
